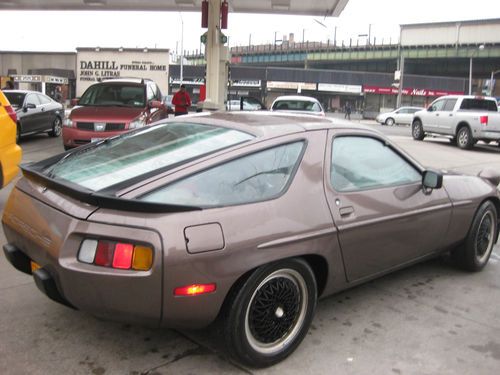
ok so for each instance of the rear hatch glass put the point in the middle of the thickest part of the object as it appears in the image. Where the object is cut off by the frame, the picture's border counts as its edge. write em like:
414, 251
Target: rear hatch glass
132, 155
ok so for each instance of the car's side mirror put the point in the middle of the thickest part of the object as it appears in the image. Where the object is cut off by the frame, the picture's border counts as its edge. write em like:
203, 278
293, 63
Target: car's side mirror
29, 106
432, 179
74, 102
430, 109
157, 104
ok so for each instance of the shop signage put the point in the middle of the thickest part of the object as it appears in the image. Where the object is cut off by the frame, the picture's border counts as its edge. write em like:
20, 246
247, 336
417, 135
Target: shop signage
246, 83
193, 82
38, 78
291, 85
93, 70
408, 91
331, 87
57, 80
27, 78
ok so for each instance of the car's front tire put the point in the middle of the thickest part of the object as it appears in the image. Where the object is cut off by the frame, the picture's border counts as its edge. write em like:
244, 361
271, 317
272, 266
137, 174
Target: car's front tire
475, 252
56, 127
389, 121
417, 130
270, 314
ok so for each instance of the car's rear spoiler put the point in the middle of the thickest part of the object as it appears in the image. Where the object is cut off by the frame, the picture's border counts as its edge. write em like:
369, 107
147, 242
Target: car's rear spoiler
34, 172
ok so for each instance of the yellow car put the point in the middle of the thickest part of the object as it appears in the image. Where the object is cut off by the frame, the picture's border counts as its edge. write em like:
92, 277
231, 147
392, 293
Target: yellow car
10, 152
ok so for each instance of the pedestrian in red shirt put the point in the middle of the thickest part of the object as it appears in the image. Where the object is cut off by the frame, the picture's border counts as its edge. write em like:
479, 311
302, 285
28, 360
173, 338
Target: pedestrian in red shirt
182, 101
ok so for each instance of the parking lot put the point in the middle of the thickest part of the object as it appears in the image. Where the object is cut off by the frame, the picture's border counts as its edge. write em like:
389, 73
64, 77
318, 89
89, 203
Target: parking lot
427, 319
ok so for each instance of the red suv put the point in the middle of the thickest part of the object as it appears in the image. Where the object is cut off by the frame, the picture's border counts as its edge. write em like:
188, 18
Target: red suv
113, 107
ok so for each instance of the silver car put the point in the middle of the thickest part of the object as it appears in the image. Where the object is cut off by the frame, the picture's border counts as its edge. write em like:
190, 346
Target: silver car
298, 104
402, 115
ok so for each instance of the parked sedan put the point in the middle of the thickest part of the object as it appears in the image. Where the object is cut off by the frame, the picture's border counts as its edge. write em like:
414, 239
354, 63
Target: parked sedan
402, 115
298, 104
36, 113
249, 217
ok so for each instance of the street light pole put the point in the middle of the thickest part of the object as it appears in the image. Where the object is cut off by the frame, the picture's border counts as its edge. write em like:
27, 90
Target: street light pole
182, 49
481, 47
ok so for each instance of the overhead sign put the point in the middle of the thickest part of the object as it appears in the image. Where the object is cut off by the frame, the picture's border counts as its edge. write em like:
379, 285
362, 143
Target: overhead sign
331, 87
27, 78
291, 85
408, 91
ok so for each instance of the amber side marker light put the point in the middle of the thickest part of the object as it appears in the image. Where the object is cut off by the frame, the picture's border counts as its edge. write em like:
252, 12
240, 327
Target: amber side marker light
195, 289
118, 255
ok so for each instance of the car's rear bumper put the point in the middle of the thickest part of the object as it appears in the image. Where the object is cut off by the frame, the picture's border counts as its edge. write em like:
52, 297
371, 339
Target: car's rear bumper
74, 137
43, 280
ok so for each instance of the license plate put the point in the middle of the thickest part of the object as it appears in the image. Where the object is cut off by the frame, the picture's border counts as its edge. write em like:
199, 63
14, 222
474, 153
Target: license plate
96, 139
35, 266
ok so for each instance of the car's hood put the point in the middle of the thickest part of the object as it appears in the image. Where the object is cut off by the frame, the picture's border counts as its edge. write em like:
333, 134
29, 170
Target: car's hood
105, 114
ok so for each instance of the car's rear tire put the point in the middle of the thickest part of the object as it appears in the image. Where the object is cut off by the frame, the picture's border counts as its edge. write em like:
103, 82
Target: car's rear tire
390, 121
464, 138
269, 315
56, 127
417, 130
475, 252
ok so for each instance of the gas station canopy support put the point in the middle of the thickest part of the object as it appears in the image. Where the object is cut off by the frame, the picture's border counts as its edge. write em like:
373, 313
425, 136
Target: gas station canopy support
217, 54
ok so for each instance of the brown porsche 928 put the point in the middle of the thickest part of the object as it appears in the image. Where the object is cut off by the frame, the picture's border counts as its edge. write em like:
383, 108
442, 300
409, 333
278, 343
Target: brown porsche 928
249, 217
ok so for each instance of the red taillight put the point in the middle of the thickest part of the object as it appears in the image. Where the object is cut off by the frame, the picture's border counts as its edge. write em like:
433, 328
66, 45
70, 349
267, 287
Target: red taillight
483, 120
11, 113
123, 256
194, 289
104, 253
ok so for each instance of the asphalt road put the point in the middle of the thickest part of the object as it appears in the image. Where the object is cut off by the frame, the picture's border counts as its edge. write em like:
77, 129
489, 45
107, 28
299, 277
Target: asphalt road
427, 319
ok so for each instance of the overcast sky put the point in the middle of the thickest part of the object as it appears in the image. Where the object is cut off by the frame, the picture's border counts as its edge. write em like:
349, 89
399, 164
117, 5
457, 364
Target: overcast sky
64, 31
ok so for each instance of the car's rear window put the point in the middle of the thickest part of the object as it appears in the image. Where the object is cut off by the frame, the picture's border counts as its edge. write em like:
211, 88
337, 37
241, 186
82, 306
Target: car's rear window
114, 94
479, 105
135, 154
296, 105
16, 99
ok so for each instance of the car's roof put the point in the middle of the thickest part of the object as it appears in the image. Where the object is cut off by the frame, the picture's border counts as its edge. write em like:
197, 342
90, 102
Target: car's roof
24, 92
265, 124
127, 80
296, 97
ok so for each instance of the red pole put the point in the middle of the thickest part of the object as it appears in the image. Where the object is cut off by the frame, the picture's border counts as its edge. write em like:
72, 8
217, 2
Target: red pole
224, 10
204, 14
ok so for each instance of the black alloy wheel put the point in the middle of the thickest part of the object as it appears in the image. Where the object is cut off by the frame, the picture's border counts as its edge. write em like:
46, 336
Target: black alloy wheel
271, 313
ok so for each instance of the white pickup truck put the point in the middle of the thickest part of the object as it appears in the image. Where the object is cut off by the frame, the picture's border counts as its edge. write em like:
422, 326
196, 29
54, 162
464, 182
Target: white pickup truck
464, 119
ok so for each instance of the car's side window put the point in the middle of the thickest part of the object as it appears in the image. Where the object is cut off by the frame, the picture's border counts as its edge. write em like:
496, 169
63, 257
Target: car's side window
252, 178
150, 93
32, 99
360, 163
450, 104
43, 99
437, 105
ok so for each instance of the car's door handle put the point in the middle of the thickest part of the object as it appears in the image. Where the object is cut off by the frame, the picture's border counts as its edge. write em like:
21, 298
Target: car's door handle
346, 211
43, 109
437, 114
451, 115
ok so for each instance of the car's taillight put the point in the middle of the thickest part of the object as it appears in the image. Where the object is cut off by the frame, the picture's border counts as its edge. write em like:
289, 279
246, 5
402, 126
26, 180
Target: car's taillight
483, 120
118, 255
195, 289
11, 113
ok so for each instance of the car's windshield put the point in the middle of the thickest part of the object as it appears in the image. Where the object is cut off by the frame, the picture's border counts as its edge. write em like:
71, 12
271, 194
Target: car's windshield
296, 105
16, 99
134, 154
114, 94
